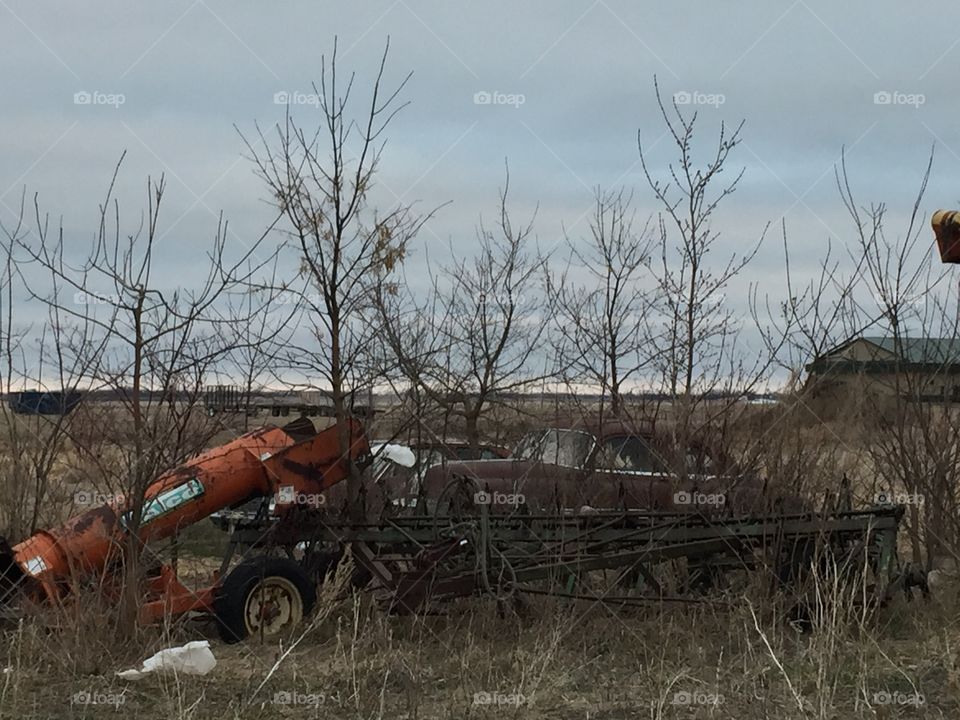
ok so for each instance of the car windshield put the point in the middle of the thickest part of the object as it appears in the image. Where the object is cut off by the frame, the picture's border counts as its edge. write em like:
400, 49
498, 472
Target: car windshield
631, 453
700, 463
429, 456
570, 448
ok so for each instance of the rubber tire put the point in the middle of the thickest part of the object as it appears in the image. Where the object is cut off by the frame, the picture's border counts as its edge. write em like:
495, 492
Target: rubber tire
231, 600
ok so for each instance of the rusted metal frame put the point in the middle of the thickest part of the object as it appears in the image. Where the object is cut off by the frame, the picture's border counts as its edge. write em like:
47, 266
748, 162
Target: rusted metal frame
885, 543
405, 533
626, 537
466, 583
767, 530
367, 559
687, 538
620, 517
412, 588
657, 550
507, 529
624, 600
420, 530
232, 546
543, 539
643, 574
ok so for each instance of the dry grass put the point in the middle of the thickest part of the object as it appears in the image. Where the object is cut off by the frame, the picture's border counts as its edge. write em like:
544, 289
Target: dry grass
554, 659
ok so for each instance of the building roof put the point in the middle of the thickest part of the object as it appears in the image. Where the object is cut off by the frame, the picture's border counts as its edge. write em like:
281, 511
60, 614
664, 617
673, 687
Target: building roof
920, 350
891, 354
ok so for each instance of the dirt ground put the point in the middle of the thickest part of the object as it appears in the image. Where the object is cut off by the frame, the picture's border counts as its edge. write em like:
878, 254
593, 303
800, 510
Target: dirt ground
553, 659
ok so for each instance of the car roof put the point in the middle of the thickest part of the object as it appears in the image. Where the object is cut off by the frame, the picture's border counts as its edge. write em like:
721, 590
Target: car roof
602, 428
429, 444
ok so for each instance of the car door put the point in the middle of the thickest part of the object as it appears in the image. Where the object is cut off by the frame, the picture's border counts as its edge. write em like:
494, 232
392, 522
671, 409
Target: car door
555, 478
634, 474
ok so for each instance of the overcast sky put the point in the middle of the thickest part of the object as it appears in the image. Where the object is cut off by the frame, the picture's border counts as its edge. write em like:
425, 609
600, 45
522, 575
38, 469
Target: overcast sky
570, 83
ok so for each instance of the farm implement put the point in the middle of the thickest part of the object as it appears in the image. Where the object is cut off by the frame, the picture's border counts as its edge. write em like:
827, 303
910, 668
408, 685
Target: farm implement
260, 593
415, 555
623, 558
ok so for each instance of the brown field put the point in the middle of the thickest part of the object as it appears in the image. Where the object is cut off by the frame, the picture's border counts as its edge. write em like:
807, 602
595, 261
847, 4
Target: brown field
551, 661
535, 658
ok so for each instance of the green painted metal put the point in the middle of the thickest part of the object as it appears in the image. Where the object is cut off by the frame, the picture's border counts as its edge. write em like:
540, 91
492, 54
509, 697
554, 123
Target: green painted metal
437, 557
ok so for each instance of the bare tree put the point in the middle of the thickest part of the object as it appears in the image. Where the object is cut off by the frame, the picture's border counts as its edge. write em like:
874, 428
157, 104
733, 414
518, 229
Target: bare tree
145, 344
915, 438
602, 324
477, 340
813, 317
261, 325
904, 430
34, 359
697, 330
321, 181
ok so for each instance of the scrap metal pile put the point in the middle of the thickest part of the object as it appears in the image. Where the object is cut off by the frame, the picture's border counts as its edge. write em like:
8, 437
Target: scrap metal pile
596, 515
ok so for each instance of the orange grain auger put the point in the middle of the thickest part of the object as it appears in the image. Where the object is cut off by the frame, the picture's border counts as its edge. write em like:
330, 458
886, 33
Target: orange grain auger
946, 228
260, 594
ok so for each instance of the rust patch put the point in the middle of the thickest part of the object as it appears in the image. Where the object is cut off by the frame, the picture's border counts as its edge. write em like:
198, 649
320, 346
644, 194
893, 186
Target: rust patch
105, 514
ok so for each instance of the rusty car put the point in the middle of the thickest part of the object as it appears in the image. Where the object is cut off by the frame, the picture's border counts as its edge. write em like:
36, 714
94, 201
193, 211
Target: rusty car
608, 465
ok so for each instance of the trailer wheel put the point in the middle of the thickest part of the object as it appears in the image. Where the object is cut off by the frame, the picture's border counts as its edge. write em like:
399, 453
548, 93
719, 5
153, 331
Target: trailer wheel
263, 595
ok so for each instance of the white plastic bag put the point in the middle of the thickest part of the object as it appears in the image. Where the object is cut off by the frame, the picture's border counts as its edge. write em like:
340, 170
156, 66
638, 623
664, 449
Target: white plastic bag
194, 658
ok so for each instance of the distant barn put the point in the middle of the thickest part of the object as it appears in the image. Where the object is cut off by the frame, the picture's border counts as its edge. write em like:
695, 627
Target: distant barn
925, 368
